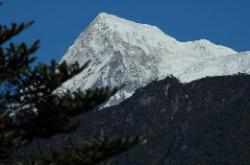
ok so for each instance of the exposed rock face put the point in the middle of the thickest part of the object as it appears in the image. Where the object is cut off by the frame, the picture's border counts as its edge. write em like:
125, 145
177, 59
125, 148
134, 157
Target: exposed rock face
125, 52
205, 121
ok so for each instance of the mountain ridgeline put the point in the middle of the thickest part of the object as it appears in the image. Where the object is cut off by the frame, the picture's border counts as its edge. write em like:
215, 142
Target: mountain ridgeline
202, 122
125, 52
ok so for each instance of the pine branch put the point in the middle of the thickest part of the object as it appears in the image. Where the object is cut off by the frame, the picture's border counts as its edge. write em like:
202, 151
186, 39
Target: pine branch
6, 33
15, 60
56, 114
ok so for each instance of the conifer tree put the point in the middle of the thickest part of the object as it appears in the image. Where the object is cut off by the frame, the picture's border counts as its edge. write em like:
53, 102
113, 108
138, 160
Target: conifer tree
30, 108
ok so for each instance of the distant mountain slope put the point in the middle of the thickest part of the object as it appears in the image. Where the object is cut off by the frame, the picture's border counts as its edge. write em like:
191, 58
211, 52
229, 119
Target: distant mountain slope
206, 121
125, 52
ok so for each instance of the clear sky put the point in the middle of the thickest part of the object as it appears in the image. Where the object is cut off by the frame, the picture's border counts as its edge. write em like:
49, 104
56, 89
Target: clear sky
59, 22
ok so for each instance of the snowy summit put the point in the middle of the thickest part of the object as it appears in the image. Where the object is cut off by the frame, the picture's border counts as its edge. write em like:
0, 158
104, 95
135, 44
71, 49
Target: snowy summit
130, 53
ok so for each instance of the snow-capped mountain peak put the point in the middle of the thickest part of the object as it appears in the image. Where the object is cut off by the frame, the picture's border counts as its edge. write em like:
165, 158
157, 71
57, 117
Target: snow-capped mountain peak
130, 53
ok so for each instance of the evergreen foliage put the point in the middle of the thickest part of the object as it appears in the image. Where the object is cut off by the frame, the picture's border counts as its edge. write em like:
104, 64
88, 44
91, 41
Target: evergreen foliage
32, 107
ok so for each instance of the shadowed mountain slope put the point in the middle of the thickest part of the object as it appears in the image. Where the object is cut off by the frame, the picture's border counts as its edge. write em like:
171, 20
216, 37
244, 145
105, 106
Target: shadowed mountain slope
204, 121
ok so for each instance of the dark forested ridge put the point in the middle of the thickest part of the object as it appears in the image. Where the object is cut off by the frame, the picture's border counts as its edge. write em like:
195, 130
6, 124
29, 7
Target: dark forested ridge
205, 121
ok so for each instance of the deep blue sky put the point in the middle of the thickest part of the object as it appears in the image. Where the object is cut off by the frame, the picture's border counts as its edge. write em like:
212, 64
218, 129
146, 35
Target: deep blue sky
59, 22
